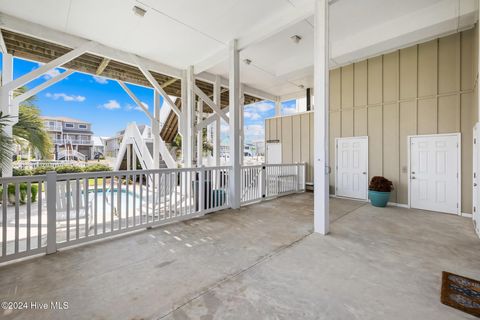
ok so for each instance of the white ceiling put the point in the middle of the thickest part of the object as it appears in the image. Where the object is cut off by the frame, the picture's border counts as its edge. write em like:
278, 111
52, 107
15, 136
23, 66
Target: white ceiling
189, 32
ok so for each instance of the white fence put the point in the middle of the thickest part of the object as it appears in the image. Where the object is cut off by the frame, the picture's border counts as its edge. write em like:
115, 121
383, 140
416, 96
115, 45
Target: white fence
271, 180
40, 214
46, 163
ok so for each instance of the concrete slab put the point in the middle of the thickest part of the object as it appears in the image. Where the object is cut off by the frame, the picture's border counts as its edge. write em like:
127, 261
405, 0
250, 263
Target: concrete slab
259, 262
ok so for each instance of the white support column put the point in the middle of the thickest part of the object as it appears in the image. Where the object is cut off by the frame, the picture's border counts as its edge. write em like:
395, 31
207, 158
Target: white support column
182, 120
321, 78
234, 96
156, 130
6, 106
129, 156
190, 110
199, 134
218, 122
278, 107
241, 118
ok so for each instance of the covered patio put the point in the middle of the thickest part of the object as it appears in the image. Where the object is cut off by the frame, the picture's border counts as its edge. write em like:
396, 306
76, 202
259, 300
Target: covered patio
237, 241
259, 262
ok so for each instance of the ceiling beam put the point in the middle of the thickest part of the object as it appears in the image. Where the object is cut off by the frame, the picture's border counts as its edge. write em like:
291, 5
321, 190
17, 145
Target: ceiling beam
35, 30
209, 77
3, 47
168, 83
102, 66
269, 27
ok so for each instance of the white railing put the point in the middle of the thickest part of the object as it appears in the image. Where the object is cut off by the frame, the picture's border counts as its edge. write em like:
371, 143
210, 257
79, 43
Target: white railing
46, 163
73, 141
40, 214
271, 180
69, 154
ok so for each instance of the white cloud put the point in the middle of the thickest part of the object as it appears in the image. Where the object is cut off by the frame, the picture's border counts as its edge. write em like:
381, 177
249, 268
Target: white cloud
65, 97
100, 79
263, 106
254, 130
130, 107
51, 74
288, 111
251, 115
110, 105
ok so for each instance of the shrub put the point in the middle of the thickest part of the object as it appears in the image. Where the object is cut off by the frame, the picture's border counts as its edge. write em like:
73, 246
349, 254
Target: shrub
22, 193
380, 184
21, 172
42, 170
68, 169
97, 167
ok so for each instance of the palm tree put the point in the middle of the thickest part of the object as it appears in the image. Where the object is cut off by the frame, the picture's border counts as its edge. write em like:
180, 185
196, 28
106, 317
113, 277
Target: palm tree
30, 126
5, 141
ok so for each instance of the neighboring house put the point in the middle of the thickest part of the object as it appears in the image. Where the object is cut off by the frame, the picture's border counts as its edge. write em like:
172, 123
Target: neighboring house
98, 146
70, 137
112, 144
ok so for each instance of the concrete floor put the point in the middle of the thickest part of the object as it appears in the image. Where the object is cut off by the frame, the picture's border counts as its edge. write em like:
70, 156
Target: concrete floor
259, 262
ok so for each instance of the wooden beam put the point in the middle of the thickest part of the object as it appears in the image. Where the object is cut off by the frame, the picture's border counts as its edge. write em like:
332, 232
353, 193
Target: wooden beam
137, 101
210, 103
3, 47
169, 82
49, 66
210, 119
102, 66
156, 86
14, 24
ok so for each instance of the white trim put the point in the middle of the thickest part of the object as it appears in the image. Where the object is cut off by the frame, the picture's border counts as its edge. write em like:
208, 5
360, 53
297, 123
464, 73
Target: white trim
459, 168
336, 164
466, 215
289, 115
135, 99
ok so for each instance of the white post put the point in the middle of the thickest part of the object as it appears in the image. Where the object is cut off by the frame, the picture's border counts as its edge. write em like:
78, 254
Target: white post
129, 156
234, 96
51, 181
182, 120
189, 108
6, 107
321, 116
199, 133
156, 130
278, 108
218, 121
241, 119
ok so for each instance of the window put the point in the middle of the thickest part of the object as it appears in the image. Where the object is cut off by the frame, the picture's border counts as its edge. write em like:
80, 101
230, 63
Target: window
82, 126
68, 125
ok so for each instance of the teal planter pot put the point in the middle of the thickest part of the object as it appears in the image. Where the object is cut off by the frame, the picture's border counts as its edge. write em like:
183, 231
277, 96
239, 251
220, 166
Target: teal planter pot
378, 199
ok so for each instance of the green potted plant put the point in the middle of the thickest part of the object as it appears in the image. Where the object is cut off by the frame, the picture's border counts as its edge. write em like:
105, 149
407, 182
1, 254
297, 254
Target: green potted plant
379, 191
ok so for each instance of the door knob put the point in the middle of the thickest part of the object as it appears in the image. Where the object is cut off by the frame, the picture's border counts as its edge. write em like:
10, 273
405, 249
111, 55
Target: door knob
364, 172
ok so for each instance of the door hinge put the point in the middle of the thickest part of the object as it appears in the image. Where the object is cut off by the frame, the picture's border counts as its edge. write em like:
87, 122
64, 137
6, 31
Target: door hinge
475, 141
474, 209
457, 204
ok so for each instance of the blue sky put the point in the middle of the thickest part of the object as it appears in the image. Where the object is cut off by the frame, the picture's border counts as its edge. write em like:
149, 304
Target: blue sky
103, 103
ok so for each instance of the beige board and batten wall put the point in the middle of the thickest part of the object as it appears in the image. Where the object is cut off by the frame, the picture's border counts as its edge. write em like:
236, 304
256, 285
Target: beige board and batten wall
428, 88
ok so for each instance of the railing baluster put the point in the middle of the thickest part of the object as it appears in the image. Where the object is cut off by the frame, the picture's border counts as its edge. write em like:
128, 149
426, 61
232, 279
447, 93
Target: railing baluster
104, 202
95, 218
85, 196
29, 214
77, 211
141, 197
127, 196
68, 203
4, 219
17, 214
39, 215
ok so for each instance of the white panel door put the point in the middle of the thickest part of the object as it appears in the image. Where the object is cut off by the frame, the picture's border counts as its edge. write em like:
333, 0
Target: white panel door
352, 167
434, 172
274, 153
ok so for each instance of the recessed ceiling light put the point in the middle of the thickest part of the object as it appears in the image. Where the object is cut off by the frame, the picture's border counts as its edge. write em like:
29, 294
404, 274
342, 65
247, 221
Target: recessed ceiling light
247, 61
296, 38
139, 11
